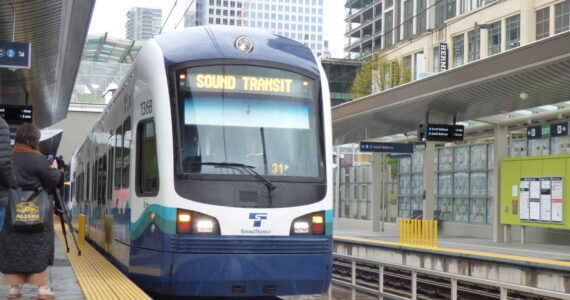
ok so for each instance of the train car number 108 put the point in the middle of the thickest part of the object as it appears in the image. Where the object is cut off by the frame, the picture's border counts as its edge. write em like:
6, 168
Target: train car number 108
146, 107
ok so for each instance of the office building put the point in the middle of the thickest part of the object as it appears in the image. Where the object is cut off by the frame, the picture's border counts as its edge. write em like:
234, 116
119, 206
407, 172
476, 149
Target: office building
143, 23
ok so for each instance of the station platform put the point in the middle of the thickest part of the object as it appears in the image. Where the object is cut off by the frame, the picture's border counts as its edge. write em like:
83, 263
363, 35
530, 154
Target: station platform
86, 277
544, 256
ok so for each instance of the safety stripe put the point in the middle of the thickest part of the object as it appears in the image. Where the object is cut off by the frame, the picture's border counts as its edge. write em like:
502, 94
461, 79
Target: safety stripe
463, 251
98, 278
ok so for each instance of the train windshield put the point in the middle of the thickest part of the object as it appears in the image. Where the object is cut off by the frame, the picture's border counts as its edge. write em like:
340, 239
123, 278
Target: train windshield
263, 118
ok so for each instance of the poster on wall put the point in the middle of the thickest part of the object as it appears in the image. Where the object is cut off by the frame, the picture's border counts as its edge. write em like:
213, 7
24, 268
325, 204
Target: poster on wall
534, 201
545, 199
525, 196
556, 194
541, 199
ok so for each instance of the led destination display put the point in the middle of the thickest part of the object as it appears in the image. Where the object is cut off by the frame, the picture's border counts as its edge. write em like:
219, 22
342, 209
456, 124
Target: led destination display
444, 132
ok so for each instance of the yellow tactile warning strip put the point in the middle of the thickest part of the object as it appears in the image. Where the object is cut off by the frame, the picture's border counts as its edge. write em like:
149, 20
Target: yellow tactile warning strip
462, 251
100, 279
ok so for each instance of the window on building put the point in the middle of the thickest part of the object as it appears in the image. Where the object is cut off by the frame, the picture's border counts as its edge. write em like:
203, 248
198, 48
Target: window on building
458, 50
408, 19
407, 63
419, 64
436, 62
542, 23
451, 9
562, 16
421, 16
388, 21
513, 31
439, 12
494, 38
474, 45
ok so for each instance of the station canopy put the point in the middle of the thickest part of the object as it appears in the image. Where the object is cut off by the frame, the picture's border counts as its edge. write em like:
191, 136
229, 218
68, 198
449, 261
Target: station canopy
531, 78
56, 30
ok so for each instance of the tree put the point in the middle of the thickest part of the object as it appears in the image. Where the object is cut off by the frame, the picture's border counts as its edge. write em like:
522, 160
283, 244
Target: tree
377, 74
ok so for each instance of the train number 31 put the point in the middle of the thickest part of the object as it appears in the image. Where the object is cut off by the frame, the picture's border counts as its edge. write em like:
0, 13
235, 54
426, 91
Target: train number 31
146, 107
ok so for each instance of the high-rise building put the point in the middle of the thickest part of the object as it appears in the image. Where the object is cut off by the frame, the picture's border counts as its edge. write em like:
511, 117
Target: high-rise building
143, 23
301, 20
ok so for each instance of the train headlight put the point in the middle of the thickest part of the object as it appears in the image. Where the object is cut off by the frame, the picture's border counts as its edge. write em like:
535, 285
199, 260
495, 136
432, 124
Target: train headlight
244, 44
313, 223
192, 222
301, 227
205, 226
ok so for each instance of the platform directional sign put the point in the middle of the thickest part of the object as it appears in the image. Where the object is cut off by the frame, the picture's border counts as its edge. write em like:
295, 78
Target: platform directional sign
15, 55
386, 147
547, 130
444, 132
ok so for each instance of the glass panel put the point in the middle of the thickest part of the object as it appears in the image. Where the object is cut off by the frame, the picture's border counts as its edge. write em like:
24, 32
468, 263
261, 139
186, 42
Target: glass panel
478, 159
491, 160
405, 185
445, 205
478, 211
461, 184
562, 16
461, 158
474, 44
149, 164
404, 207
126, 152
538, 147
436, 61
478, 184
518, 148
490, 184
458, 50
513, 31
388, 25
495, 38
446, 159
461, 210
417, 185
421, 16
445, 185
418, 162
542, 23
416, 203
560, 145
490, 211
405, 165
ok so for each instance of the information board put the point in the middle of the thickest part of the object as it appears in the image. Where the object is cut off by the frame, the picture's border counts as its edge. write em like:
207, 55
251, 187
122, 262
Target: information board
444, 132
541, 199
16, 114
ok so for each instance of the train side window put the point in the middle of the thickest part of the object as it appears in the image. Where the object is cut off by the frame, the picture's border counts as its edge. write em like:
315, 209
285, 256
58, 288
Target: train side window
118, 162
147, 174
110, 175
126, 152
88, 183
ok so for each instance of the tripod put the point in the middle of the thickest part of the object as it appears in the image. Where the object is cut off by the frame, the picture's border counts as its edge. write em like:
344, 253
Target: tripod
64, 217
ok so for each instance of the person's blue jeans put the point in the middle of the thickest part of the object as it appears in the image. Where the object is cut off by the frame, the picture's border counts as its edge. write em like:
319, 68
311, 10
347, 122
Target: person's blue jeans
2, 213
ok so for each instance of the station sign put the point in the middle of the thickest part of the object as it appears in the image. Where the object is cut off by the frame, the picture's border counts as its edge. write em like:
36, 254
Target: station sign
15, 55
16, 114
445, 132
547, 130
386, 147
443, 57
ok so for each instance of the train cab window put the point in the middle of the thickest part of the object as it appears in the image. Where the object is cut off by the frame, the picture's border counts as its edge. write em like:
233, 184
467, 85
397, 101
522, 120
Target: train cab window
147, 174
126, 152
118, 162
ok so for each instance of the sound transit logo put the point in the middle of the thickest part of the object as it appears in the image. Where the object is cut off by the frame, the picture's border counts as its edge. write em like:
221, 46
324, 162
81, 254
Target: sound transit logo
257, 219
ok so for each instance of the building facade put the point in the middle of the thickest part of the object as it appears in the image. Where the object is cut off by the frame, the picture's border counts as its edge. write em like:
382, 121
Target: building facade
143, 23
300, 20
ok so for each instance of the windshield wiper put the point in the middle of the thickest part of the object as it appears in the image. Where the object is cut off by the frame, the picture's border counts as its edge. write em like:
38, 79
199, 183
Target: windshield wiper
247, 168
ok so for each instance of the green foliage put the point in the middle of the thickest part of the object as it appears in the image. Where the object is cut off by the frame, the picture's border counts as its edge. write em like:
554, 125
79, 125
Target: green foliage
378, 74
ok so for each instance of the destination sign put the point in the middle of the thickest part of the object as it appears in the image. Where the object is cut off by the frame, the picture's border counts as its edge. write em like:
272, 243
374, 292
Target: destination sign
444, 132
386, 147
16, 114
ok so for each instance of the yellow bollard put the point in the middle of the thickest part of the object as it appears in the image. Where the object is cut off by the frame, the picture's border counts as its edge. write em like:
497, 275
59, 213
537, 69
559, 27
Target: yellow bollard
435, 234
81, 231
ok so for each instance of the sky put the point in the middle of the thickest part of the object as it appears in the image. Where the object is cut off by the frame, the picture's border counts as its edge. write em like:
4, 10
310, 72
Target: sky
110, 16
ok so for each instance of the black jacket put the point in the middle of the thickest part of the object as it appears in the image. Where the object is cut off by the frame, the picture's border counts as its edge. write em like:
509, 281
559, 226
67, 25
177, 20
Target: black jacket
6, 171
29, 252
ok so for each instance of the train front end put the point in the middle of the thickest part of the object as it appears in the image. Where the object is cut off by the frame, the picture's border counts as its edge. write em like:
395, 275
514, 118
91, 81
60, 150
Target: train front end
251, 207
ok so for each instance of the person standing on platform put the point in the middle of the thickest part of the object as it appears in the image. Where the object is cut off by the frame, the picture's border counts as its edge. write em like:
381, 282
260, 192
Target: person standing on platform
7, 179
25, 257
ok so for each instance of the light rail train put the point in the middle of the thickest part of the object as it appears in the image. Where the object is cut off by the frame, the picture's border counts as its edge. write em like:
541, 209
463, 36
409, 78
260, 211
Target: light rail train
209, 172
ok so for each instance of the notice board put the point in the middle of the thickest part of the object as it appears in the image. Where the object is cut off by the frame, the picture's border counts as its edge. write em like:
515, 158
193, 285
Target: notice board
533, 191
541, 199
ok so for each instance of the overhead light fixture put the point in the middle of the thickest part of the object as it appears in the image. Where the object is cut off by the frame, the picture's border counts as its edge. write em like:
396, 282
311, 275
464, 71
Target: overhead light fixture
523, 112
523, 96
549, 107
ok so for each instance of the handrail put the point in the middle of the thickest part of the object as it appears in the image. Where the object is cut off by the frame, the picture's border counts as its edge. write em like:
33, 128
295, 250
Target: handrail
454, 278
